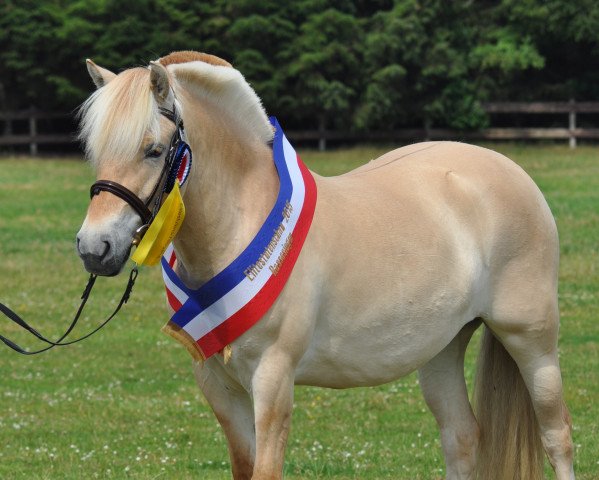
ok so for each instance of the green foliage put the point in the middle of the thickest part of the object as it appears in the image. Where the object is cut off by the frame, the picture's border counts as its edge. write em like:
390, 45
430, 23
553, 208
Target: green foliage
340, 64
324, 71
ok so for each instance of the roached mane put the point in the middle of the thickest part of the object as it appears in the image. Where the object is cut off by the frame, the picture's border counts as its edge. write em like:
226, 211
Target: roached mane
186, 56
213, 79
127, 100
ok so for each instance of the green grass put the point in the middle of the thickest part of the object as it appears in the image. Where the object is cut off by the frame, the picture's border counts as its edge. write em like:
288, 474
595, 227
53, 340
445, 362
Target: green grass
123, 404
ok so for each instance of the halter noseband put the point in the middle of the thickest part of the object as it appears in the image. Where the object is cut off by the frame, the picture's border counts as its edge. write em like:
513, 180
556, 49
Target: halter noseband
124, 193
167, 176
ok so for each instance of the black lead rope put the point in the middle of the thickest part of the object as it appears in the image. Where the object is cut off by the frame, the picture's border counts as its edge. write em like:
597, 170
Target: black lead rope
59, 343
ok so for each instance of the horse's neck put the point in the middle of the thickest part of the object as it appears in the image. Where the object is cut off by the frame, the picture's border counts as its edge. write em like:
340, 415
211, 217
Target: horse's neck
233, 187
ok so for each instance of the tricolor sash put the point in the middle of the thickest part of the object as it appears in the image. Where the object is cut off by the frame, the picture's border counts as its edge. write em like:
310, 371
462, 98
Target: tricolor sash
226, 306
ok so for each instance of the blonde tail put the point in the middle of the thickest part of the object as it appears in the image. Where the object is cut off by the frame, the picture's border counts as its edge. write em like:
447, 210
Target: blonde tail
510, 442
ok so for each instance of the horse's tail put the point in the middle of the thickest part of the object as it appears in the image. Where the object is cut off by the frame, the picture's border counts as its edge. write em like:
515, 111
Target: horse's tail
510, 441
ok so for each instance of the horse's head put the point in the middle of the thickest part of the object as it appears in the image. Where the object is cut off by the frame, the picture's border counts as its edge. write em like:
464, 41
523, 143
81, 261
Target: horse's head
126, 140
127, 136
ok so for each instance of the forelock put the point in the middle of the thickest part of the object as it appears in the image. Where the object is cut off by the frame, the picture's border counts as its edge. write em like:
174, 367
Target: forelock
116, 117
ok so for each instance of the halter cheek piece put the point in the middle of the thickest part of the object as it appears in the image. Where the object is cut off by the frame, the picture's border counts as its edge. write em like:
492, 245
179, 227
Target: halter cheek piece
167, 178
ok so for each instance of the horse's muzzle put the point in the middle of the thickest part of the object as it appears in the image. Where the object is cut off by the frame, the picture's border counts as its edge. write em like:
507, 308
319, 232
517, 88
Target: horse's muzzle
102, 254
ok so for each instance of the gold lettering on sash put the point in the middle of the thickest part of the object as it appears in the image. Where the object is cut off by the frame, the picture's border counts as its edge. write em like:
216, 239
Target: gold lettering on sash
253, 270
286, 247
287, 211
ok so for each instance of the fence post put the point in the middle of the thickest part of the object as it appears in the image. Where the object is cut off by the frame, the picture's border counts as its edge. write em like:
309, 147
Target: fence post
322, 141
572, 123
427, 129
32, 132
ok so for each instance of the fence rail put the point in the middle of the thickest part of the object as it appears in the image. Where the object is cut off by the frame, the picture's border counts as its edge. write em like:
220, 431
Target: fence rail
33, 138
542, 107
569, 132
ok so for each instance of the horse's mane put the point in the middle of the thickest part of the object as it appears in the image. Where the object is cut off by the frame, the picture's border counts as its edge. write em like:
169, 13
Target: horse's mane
185, 56
213, 79
127, 100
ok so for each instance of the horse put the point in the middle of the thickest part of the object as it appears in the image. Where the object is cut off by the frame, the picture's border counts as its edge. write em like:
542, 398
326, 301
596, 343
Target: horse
405, 258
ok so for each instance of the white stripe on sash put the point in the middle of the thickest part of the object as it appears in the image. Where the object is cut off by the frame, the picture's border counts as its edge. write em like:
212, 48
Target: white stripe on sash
171, 286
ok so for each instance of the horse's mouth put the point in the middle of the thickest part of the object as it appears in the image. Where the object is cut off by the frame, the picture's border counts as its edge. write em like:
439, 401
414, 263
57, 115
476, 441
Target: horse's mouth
103, 265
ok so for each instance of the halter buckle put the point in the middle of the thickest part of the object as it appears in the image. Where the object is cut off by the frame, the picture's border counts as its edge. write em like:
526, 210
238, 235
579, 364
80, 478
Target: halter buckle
139, 234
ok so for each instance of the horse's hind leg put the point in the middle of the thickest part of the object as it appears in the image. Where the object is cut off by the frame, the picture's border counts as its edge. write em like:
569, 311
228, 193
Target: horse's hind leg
444, 388
533, 346
524, 317
234, 410
543, 379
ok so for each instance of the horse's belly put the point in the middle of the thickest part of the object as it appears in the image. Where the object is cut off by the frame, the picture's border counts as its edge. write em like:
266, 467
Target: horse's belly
369, 333
356, 361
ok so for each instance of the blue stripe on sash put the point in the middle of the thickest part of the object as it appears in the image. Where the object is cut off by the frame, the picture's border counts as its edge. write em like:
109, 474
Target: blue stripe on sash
232, 275
166, 268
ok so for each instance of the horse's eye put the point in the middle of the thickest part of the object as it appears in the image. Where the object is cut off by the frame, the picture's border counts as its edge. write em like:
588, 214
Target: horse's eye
154, 151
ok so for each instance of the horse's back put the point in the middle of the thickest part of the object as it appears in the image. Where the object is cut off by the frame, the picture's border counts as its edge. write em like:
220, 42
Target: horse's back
470, 197
476, 186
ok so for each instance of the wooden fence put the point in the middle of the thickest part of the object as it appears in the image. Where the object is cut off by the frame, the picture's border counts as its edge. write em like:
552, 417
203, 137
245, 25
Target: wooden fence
33, 137
570, 131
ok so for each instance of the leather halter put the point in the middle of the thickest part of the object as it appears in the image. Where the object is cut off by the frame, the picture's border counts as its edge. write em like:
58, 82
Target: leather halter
141, 207
124, 193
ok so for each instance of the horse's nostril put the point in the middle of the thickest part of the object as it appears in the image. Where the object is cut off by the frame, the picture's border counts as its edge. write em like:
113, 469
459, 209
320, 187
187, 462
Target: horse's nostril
106, 249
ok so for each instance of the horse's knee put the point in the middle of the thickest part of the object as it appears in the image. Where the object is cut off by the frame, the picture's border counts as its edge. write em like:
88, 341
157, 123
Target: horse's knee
545, 386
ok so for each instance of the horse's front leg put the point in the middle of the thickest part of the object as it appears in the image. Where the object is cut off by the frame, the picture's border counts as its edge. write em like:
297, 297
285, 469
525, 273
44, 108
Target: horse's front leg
233, 408
272, 388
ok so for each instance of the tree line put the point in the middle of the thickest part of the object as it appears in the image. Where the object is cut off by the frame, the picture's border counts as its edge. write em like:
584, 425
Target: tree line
339, 64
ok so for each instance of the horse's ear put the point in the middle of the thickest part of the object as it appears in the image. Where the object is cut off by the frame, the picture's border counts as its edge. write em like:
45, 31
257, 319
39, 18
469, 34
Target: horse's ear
160, 83
99, 75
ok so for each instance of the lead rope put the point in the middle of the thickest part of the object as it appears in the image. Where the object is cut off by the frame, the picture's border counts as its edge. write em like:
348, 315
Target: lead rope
59, 343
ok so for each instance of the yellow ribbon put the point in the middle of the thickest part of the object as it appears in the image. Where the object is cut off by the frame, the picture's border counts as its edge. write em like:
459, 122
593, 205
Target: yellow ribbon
162, 230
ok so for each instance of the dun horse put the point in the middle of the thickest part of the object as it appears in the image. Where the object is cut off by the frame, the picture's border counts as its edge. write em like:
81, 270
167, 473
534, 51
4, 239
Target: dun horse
405, 258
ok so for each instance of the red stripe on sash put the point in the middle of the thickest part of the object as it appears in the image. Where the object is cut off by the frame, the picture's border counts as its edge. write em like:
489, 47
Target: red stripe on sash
236, 325
172, 300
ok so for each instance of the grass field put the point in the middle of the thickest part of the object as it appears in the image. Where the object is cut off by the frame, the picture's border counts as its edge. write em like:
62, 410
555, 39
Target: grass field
124, 404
